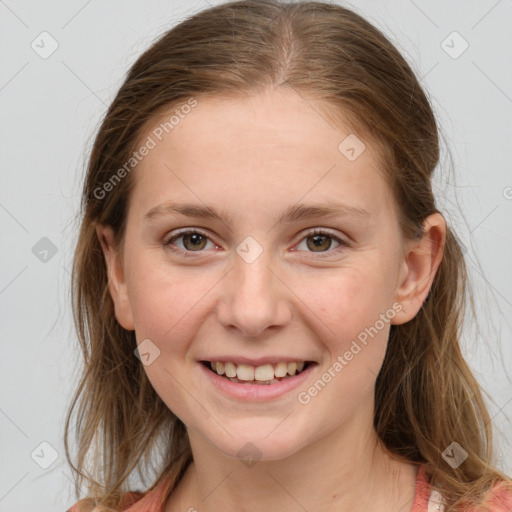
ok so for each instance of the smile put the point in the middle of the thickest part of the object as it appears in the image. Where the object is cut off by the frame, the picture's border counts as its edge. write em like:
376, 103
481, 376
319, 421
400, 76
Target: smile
264, 374
256, 384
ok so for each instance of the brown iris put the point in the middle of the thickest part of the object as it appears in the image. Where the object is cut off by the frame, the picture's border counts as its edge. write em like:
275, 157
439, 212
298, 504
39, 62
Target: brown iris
197, 241
319, 242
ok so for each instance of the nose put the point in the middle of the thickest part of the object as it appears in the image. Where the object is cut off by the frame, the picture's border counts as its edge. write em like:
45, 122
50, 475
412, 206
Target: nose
254, 298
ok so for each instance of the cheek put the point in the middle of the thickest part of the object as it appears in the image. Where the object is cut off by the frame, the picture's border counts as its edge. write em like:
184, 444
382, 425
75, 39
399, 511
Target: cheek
356, 341
351, 309
347, 300
165, 306
164, 300
353, 316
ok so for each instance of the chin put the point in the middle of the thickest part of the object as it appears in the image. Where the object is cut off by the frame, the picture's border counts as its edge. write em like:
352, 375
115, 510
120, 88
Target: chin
258, 445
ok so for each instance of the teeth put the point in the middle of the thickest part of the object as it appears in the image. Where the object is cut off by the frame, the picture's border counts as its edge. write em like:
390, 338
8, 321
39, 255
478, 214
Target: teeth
263, 373
220, 368
281, 369
230, 369
245, 372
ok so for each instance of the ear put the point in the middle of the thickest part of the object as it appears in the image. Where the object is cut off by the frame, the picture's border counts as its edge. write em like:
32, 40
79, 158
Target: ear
421, 262
116, 279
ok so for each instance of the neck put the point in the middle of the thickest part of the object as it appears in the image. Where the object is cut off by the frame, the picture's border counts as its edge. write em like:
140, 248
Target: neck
346, 470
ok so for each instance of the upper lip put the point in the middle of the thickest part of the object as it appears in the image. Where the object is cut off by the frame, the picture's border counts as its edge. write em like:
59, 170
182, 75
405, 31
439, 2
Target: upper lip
260, 361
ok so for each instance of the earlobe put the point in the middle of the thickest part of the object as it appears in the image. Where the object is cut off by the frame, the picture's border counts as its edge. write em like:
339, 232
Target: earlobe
419, 268
116, 277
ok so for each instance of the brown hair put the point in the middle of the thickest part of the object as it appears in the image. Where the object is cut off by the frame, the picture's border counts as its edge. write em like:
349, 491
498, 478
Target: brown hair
426, 395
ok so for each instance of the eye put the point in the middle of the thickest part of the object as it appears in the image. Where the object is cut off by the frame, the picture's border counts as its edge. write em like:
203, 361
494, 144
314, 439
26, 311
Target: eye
316, 241
192, 241
320, 241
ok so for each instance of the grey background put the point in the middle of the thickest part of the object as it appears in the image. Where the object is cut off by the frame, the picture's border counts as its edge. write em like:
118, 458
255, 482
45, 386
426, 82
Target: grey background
51, 108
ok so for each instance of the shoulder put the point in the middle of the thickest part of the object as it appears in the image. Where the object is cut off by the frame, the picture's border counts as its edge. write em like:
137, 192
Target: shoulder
499, 498
87, 504
496, 499
430, 499
133, 501
84, 505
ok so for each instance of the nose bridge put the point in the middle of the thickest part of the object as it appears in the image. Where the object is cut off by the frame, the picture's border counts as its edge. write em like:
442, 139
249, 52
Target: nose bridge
254, 278
253, 299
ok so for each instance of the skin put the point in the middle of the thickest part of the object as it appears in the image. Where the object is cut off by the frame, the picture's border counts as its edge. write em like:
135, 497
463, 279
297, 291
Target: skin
253, 158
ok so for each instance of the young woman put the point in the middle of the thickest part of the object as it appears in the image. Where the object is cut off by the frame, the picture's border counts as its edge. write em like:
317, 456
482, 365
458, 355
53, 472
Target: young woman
268, 300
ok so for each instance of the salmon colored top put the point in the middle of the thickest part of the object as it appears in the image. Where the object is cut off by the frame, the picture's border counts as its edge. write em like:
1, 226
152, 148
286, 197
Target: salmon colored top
425, 499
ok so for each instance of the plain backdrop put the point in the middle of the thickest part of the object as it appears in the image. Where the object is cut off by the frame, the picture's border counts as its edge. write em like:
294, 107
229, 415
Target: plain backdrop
51, 106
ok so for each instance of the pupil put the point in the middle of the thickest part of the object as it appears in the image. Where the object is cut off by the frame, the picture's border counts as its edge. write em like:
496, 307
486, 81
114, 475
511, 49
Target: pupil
317, 241
195, 238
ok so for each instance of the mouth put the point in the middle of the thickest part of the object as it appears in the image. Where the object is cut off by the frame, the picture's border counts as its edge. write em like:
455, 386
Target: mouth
266, 374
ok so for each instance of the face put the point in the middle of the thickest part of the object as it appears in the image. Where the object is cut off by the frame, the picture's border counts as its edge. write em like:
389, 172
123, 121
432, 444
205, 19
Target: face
264, 282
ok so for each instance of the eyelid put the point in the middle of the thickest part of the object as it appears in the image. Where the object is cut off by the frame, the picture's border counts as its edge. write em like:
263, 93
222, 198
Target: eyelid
324, 231
178, 234
184, 231
309, 232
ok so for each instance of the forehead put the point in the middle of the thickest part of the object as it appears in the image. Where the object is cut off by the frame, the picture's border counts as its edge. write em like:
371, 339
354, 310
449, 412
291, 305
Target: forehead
259, 150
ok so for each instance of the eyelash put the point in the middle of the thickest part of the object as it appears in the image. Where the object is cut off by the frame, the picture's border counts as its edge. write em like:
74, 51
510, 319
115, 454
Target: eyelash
189, 254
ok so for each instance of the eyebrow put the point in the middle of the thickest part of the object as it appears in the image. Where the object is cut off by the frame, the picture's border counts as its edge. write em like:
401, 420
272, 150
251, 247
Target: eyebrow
293, 213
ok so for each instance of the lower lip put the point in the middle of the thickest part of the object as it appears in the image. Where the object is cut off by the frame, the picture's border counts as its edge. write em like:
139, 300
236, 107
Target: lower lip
257, 392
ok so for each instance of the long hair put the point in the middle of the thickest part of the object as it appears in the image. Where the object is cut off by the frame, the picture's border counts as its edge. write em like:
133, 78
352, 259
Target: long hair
426, 396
